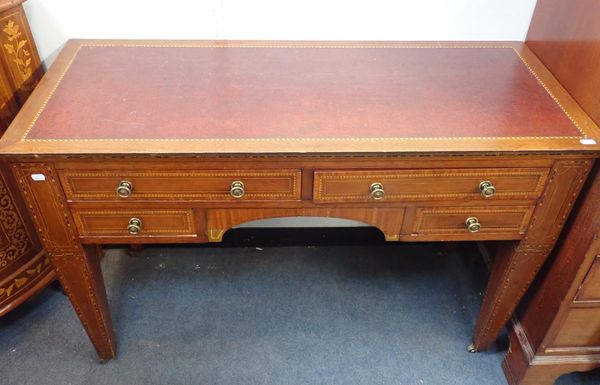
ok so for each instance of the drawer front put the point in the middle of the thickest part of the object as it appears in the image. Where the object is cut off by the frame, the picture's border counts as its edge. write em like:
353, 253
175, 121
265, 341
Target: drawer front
499, 222
182, 185
134, 223
415, 185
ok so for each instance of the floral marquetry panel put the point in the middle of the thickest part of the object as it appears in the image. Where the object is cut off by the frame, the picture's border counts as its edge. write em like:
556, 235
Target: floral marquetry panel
21, 67
18, 49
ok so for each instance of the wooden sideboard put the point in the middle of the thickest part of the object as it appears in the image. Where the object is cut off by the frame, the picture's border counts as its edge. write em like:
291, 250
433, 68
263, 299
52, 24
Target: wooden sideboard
174, 142
556, 329
24, 268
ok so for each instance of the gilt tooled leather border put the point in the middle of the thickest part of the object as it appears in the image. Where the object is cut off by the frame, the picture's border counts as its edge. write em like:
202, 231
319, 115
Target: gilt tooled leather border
370, 139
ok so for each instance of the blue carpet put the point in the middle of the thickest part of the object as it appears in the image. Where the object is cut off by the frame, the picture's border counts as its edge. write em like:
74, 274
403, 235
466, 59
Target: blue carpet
347, 315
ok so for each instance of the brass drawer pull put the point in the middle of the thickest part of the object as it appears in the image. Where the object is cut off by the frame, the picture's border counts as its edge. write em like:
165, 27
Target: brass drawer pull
135, 226
237, 189
487, 188
473, 224
377, 191
124, 189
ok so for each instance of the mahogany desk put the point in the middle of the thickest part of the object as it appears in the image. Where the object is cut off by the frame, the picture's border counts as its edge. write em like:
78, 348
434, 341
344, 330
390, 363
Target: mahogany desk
169, 142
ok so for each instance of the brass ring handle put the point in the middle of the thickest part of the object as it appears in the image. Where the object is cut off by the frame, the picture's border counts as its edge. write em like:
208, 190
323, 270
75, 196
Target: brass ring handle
377, 191
135, 226
473, 224
124, 189
237, 189
487, 188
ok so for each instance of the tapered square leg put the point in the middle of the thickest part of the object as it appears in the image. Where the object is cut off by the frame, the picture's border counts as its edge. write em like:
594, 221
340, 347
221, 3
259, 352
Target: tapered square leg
509, 279
81, 278
77, 265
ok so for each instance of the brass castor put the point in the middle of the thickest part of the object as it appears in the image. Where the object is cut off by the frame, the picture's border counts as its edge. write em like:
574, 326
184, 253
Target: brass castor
471, 349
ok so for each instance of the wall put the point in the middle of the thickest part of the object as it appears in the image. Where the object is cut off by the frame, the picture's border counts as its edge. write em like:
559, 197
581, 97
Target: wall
55, 21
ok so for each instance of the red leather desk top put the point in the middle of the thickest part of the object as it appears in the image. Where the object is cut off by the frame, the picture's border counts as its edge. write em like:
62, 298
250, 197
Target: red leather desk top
129, 91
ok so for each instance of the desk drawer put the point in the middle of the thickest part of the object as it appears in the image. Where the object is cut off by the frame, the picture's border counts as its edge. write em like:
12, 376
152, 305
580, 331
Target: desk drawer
411, 185
134, 223
499, 222
181, 185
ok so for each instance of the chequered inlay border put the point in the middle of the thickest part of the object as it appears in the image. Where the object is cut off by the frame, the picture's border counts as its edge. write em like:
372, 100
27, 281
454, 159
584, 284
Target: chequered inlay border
383, 46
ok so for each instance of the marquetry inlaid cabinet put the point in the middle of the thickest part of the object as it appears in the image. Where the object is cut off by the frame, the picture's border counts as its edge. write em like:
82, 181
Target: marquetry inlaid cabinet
24, 269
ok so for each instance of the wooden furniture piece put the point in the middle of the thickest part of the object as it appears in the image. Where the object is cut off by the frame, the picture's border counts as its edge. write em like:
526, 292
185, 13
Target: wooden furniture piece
557, 329
169, 142
20, 66
24, 268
